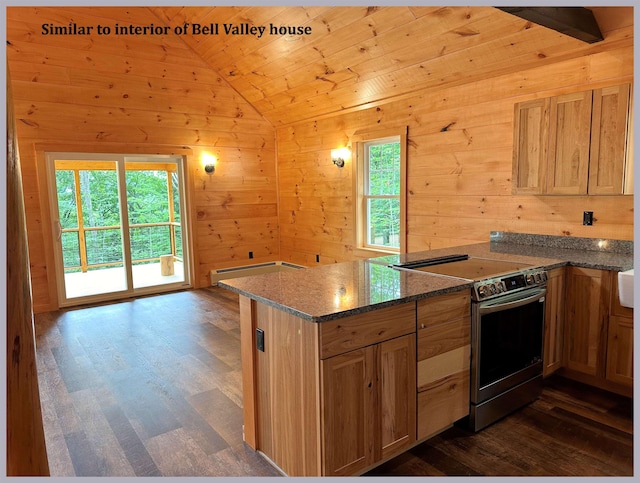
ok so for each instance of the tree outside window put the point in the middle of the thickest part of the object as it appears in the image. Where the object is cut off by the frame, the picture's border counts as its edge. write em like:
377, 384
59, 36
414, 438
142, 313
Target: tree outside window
382, 192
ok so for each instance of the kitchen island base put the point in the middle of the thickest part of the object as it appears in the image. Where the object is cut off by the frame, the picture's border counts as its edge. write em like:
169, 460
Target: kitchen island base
337, 397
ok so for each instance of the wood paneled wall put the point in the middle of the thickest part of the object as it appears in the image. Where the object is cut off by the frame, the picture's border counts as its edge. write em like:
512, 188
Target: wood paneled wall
459, 166
139, 94
153, 94
26, 451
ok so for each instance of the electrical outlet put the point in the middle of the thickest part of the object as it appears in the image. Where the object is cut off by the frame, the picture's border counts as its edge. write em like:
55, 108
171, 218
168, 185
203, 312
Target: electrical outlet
318, 258
250, 254
260, 339
587, 218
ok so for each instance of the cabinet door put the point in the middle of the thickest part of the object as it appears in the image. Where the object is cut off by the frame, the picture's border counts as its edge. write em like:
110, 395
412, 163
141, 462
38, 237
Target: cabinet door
349, 412
620, 339
569, 139
397, 390
616, 307
369, 410
609, 140
530, 139
554, 322
620, 350
586, 320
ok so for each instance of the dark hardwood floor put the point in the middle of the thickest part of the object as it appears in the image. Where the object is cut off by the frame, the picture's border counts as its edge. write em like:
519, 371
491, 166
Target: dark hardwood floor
145, 387
571, 430
152, 387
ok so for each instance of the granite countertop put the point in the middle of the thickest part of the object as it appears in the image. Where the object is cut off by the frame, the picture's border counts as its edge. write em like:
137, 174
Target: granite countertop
329, 292
598, 253
476, 250
332, 291
618, 262
547, 256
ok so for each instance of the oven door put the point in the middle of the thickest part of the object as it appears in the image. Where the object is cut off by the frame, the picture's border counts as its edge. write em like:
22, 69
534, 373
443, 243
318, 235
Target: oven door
507, 335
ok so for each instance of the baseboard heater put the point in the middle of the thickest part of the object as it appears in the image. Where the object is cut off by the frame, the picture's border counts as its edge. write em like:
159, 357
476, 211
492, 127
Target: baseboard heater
246, 270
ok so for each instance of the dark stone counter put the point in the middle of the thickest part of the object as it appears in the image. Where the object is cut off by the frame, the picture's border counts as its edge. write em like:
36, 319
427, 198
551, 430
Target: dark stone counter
339, 290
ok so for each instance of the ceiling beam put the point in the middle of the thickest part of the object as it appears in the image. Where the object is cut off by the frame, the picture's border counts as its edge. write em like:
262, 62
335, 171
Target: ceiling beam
577, 22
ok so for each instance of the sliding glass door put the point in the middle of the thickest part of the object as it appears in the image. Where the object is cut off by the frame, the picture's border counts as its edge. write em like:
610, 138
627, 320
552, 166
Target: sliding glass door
89, 228
155, 234
118, 225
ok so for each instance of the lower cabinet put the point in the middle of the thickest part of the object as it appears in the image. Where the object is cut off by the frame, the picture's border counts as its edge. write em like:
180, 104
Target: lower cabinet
444, 361
598, 345
369, 408
329, 398
338, 397
586, 320
554, 321
620, 351
395, 428
619, 340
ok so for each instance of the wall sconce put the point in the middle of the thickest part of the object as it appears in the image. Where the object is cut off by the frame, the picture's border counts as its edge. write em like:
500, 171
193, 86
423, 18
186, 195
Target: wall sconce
339, 156
209, 163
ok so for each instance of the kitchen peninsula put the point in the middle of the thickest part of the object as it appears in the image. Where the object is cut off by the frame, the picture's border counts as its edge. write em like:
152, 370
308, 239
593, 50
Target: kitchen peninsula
347, 365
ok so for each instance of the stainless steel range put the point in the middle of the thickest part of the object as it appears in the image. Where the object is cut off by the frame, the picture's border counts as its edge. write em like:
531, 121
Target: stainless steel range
507, 328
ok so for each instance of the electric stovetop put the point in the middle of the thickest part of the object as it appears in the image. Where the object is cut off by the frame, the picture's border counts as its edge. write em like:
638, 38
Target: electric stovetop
463, 266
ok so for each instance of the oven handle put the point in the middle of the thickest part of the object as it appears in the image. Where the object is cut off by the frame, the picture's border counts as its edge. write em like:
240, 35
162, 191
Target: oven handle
495, 306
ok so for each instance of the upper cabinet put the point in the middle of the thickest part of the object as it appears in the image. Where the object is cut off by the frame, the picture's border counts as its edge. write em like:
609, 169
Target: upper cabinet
569, 135
531, 132
574, 144
609, 140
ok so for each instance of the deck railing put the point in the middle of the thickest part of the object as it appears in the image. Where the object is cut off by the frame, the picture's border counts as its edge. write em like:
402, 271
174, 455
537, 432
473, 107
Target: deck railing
80, 253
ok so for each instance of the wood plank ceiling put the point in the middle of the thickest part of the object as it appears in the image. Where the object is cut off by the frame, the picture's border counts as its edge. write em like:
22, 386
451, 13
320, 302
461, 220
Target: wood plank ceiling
359, 56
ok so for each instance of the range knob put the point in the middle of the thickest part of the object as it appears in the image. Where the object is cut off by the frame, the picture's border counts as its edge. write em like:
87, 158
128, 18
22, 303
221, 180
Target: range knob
529, 279
483, 290
537, 277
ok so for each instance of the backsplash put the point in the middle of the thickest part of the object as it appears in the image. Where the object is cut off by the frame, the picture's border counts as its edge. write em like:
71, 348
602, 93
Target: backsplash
571, 243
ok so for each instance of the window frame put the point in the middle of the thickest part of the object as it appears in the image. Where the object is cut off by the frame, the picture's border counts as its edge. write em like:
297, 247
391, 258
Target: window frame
360, 139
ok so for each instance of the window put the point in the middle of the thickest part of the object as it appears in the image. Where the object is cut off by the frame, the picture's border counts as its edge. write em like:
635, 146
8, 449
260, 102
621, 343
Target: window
381, 207
382, 193
120, 224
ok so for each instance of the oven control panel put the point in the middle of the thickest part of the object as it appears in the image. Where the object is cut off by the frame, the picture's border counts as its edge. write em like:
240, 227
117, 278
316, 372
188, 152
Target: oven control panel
496, 286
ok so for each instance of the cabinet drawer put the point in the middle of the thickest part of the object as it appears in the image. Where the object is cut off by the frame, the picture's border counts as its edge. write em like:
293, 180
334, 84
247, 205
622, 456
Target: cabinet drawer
349, 333
438, 339
434, 369
443, 403
436, 310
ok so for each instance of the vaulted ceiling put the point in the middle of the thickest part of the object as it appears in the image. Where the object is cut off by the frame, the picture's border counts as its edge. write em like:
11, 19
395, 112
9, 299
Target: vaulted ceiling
346, 58
358, 56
